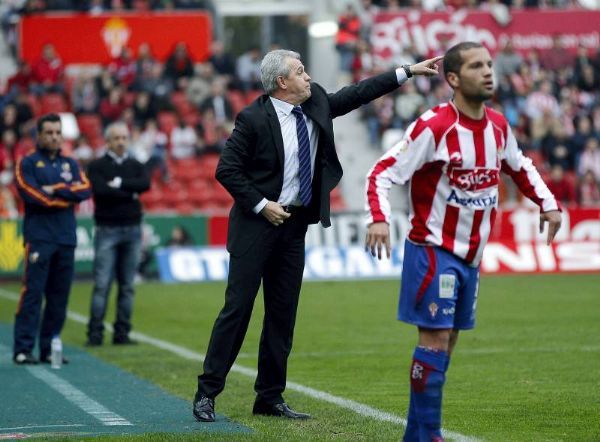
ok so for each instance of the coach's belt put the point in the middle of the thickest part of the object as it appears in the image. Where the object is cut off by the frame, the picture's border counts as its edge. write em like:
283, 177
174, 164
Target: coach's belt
294, 209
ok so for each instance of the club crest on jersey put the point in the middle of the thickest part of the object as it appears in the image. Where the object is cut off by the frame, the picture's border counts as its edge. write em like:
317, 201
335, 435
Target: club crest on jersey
473, 179
40, 164
433, 309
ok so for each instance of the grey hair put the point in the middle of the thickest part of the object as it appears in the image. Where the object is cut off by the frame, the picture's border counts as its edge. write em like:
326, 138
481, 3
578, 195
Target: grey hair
274, 65
114, 125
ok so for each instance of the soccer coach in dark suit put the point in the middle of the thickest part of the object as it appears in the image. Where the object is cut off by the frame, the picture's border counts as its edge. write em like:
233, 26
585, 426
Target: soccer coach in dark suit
279, 165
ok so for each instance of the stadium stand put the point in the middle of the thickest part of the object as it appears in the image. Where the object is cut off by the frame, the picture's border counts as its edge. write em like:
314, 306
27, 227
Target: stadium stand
558, 136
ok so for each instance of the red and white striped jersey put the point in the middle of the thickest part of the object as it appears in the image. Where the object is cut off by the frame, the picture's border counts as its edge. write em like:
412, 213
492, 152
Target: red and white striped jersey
452, 164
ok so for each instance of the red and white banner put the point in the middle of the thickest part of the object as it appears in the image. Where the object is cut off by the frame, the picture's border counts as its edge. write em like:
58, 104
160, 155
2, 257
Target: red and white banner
528, 30
80, 38
516, 245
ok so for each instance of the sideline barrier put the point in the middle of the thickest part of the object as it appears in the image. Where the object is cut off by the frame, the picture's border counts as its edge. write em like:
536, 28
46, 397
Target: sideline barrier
515, 246
156, 232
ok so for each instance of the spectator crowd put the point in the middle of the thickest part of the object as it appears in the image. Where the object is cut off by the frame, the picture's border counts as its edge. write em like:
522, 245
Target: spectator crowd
181, 113
552, 102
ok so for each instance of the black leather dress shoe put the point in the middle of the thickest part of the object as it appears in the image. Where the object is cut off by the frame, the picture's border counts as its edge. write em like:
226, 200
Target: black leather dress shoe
124, 340
204, 408
280, 410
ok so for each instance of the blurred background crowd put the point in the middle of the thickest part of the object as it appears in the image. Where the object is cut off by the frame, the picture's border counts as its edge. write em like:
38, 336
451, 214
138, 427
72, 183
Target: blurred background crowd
181, 113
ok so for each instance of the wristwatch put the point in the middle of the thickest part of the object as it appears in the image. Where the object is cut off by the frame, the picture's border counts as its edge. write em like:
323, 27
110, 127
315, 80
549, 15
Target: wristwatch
406, 68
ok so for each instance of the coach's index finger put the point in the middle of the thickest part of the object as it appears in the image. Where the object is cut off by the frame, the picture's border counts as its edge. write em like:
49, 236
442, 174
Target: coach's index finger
427, 67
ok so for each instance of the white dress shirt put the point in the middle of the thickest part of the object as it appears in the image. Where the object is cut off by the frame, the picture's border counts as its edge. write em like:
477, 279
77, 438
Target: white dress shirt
287, 121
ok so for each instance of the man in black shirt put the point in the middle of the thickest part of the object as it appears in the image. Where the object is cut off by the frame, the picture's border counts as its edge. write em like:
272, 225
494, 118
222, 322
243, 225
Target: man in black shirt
117, 180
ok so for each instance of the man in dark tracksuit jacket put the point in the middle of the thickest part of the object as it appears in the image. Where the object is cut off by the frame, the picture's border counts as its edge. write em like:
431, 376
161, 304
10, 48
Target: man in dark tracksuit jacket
50, 185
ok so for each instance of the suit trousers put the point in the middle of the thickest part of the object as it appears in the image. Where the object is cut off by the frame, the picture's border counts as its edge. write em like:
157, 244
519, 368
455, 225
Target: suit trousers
277, 259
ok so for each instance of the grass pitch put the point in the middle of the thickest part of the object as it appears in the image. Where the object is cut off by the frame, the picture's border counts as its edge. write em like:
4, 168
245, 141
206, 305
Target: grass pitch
530, 371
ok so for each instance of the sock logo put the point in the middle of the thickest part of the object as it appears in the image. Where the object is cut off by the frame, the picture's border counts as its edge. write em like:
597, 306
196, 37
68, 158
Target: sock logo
418, 376
417, 371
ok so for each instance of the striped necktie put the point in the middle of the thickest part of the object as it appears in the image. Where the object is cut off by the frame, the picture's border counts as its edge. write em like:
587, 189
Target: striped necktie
304, 169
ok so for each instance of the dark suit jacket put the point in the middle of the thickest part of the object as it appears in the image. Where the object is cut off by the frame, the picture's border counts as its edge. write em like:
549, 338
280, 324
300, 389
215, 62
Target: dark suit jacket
251, 165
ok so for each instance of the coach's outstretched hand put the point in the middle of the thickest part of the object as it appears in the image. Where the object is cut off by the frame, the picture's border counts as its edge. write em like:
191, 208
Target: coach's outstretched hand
428, 68
554, 219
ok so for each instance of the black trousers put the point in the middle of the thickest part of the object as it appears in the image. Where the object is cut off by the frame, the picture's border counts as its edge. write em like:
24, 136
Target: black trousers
48, 272
276, 258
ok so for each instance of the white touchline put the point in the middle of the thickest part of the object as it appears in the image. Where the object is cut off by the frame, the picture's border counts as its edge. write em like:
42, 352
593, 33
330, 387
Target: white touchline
78, 397
356, 407
27, 427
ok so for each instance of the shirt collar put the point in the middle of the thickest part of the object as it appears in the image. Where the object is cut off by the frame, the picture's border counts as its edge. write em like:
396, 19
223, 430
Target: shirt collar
117, 158
282, 106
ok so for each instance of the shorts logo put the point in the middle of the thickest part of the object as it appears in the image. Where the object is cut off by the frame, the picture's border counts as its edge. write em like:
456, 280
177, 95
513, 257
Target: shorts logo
433, 309
33, 257
447, 283
448, 311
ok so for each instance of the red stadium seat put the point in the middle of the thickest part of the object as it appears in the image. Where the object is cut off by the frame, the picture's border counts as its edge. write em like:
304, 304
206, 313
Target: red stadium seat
35, 104
181, 103
192, 117
167, 121
97, 142
55, 103
208, 166
129, 98
253, 95
151, 199
90, 126
186, 170
199, 193
220, 197
23, 147
237, 100
173, 199
184, 208
337, 201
